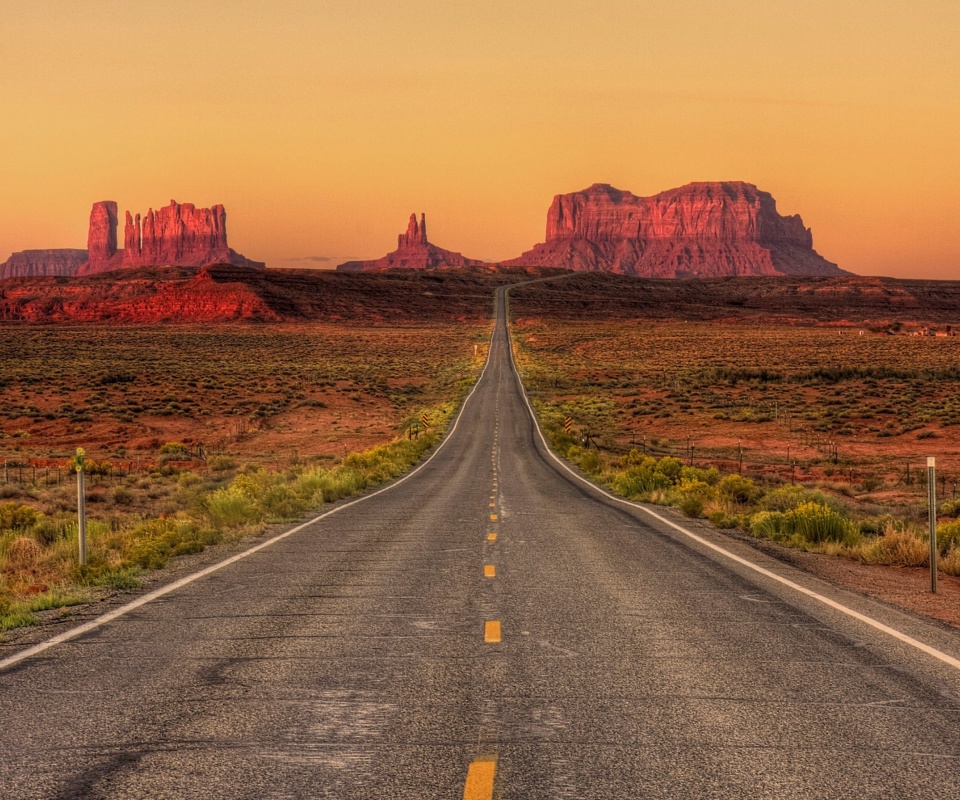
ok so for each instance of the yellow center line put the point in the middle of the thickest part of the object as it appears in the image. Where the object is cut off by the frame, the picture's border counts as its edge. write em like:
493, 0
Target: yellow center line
493, 505
480, 775
491, 537
491, 631
489, 571
493, 517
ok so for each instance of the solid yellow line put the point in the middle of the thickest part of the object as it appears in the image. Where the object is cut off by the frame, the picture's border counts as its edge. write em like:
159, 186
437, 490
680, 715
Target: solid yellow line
491, 631
480, 775
489, 571
491, 537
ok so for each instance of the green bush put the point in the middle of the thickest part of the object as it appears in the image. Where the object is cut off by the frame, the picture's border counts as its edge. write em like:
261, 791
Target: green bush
17, 517
232, 507
948, 536
817, 523
739, 490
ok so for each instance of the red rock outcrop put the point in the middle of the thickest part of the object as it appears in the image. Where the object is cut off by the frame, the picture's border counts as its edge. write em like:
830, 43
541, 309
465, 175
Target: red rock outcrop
413, 252
177, 235
38, 263
698, 230
102, 233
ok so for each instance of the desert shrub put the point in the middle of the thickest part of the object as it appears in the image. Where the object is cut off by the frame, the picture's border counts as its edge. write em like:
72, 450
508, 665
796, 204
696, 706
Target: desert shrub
155, 541
691, 505
670, 467
46, 531
950, 509
232, 508
948, 536
950, 563
767, 524
898, 546
122, 496
21, 554
787, 498
640, 480
739, 490
710, 476
814, 522
221, 463
17, 517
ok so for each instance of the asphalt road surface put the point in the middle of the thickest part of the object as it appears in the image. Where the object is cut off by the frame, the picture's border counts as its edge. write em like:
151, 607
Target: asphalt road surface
491, 627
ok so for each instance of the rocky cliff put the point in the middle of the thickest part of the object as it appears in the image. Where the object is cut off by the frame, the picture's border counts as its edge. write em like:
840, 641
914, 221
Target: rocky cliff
413, 252
38, 263
698, 230
177, 235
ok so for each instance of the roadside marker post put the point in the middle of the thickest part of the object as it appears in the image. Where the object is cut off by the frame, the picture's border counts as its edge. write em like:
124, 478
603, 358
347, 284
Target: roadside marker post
81, 509
425, 420
932, 502
567, 424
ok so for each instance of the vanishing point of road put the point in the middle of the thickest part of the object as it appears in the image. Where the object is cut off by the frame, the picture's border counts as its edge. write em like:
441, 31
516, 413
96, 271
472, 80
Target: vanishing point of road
490, 626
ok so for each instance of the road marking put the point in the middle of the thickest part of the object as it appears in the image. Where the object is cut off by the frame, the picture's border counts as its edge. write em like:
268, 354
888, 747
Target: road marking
493, 505
491, 537
491, 631
876, 624
480, 775
493, 517
489, 571
73, 633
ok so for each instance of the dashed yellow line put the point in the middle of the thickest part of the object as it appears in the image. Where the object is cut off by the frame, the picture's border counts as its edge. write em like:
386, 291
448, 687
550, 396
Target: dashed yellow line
480, 776
489, 571
491, 631
491, 537
493, 517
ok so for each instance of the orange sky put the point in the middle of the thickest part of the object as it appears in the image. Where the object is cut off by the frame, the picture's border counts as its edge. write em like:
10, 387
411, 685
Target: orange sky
322, 125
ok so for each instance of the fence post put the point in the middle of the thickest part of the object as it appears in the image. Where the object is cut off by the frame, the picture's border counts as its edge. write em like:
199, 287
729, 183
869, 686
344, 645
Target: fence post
932, 501
81, 509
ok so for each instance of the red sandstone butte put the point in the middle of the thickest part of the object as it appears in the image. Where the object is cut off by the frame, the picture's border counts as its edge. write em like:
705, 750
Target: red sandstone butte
413, 252
698, 230
180, 235
39, 263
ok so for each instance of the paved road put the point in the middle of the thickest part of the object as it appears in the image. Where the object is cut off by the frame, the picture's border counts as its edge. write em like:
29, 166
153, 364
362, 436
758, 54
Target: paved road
351, 660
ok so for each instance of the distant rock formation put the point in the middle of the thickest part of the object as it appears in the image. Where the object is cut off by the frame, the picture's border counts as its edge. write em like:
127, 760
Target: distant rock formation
102, 233
413, 252
179, 235
698, 230
39, 263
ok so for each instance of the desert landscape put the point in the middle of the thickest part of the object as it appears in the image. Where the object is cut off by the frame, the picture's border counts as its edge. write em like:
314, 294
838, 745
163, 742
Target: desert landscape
490, 401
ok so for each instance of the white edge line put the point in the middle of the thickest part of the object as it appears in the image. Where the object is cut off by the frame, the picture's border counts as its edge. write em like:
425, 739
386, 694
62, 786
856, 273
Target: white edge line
93, 624
899, 635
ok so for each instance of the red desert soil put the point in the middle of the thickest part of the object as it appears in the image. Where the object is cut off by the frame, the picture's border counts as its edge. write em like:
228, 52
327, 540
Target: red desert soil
907, 587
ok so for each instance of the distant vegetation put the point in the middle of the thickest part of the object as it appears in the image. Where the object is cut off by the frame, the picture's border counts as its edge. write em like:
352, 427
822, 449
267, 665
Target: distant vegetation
267, 426
800, 435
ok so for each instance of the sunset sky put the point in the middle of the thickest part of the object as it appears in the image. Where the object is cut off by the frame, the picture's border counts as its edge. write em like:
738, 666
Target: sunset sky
322, 125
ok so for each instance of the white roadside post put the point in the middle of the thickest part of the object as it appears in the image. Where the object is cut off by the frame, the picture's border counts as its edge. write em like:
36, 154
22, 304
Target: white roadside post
81, 509
932, 501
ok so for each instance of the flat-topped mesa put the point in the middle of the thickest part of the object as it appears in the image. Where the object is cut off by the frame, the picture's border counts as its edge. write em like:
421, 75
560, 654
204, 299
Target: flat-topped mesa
413, 252
701, 229
180, 235
40, 263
